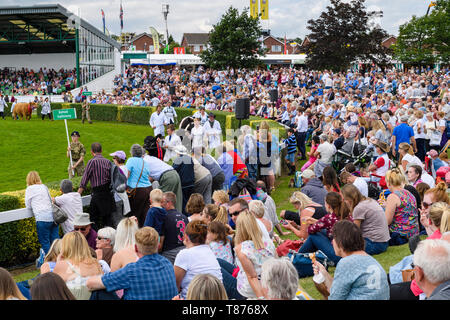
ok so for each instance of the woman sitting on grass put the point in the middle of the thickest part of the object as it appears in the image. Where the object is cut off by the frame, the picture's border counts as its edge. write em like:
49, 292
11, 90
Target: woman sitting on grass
358, 276
321, 231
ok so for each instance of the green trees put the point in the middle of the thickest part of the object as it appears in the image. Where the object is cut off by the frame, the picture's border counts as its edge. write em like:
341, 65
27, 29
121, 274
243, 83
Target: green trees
426, 39
343, 34
234, 42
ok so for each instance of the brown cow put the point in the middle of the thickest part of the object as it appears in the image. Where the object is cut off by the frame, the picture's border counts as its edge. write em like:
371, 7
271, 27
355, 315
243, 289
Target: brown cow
23, 109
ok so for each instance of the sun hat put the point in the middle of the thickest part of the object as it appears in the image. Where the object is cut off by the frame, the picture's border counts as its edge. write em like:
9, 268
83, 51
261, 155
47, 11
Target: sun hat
82, 219
119, 154
308, 174
383, 146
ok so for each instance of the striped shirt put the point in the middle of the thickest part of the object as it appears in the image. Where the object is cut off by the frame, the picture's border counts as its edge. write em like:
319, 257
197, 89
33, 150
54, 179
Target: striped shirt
291, 144
97, 172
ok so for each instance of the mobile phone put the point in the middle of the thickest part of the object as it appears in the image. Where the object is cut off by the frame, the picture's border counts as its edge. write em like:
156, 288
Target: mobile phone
284, 222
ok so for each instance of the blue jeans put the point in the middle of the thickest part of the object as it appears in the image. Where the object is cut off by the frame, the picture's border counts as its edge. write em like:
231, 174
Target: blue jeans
229, 282
320, 241
252, 171
47, 232
375, 247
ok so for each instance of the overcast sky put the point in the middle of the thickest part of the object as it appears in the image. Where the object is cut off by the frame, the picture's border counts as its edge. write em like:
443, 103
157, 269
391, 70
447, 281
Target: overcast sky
285, 16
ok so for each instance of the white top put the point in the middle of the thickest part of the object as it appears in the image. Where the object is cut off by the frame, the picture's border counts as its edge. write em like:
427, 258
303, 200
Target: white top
419, 134
213, 133
326, 151
428, 179
197, 260
362, 186
265, 233
157, 167
302, 124
158, 121
38, 200
72, 204
171, 142
412, 160
197, 136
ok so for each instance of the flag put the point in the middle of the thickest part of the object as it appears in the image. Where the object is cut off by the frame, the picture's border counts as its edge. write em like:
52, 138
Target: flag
254, 10
121, 16
264, 6
155, 37
103, 18
166, 49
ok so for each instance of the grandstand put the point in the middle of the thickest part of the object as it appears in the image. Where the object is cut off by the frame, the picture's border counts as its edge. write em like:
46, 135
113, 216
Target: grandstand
52, 37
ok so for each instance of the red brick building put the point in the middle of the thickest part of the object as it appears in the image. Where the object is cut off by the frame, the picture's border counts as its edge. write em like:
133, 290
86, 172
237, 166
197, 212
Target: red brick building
276, 46
196, 42
389, 41
143, 42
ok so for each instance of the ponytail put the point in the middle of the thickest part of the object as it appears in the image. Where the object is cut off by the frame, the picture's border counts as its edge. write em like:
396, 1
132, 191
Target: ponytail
222, 215
445, 221
439, 193
338, 205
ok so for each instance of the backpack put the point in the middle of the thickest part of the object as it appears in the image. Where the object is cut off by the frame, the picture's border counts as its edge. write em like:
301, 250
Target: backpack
118, 179
298, 179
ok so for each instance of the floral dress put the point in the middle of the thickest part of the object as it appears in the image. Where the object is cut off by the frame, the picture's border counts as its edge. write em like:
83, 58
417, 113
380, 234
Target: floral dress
257, 257
405, 220
222, 251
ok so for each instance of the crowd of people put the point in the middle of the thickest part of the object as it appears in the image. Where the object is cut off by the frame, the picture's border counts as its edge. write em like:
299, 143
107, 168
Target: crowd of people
25, 81
196, 224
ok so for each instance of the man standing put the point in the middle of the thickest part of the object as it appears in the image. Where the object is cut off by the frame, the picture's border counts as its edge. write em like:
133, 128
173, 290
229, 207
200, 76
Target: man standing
2, 106
402, 133
171, 141
98, 173
170, 114
213, 131
157, 121
173, 228
78, 152
86, 106
302, 128
152, 277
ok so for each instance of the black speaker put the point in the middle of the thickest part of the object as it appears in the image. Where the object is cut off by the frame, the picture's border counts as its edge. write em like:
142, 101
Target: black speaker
242, 108
172, 90
273, 95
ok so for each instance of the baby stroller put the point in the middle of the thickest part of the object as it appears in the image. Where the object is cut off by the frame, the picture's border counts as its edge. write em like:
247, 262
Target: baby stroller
359, 156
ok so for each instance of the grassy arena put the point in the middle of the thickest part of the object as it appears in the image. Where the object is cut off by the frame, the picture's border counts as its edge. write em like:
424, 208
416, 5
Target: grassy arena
42, 145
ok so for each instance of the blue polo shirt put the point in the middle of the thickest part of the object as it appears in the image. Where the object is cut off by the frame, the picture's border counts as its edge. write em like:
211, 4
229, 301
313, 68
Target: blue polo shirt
402, 133
150, 278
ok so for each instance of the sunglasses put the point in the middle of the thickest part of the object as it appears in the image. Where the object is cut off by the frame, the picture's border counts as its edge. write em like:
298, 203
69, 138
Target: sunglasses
79, 228
236, 213
425, 205
100, 238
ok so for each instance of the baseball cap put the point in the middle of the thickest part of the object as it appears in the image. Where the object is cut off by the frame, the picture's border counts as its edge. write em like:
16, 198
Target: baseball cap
75, 133
308, 174
119, 154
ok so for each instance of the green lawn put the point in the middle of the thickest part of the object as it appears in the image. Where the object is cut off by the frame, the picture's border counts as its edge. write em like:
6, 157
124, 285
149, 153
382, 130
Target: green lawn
42, 145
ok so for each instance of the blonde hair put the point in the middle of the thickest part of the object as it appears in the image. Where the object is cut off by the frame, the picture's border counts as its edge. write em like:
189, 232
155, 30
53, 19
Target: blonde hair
74, 247
247, 229
54, 251
8, 287
257, 208
440, 216
125, 232
378, 125
264, 133
220, 196
206, 287
147, 240
33, 178
156, 195
406, 147
301, 198
395, 178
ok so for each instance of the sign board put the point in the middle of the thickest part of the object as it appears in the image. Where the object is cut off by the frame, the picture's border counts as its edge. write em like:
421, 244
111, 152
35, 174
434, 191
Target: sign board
179, 50
64, 114
87, 93
136, 55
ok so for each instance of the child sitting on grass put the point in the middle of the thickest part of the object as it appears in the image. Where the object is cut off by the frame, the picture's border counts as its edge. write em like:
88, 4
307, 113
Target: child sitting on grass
315, 141
219, 242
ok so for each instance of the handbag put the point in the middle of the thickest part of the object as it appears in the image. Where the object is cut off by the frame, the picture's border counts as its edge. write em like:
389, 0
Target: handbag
59, 215
303, 263
132, 192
